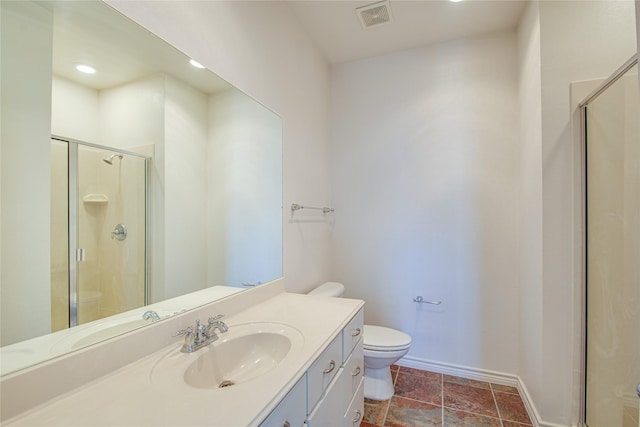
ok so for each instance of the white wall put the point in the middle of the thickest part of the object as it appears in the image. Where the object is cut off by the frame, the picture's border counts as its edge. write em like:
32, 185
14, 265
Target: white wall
74, 111
185, 188
244, 191
424, 152
530, 361
25, 170
281, 69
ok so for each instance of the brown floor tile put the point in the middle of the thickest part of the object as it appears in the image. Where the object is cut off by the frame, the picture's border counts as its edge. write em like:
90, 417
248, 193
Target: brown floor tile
432, 375
512, 408
465, 381
410, 413
425, 388
453, 418
469, 399
419, 396
504, 388
375, 411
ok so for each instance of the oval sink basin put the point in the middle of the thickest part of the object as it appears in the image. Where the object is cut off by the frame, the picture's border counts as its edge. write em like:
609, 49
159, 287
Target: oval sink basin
237, 360
244, 353
102, 329
106, 332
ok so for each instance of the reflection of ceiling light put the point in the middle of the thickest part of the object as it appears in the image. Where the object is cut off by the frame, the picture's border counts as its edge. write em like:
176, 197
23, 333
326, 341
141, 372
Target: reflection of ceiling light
196, 64
85, 69
455, 1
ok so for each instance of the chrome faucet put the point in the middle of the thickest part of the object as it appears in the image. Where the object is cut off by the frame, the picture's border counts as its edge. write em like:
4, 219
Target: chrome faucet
150, 315
201, 335
215, 323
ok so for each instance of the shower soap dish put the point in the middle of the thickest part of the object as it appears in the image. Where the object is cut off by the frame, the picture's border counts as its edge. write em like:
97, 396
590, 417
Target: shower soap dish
97, 199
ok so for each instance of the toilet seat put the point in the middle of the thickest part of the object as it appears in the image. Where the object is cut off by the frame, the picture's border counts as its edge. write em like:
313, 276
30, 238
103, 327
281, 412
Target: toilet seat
379, 338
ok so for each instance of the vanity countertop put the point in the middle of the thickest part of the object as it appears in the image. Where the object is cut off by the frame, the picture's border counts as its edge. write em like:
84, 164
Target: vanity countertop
129, 397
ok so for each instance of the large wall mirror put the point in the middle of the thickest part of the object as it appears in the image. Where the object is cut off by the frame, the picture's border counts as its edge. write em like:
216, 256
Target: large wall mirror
141, 189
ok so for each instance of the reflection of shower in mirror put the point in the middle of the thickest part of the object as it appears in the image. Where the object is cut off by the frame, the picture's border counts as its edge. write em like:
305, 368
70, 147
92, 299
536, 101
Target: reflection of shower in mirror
109, 160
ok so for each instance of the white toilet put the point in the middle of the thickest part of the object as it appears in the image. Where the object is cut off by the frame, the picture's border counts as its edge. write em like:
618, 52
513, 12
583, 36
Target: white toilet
382, 348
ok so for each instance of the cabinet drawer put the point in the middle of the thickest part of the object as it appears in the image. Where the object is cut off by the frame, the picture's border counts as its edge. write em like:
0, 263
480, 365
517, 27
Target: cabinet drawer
355, 412
292, 409
322, 371
354, 369
352, 334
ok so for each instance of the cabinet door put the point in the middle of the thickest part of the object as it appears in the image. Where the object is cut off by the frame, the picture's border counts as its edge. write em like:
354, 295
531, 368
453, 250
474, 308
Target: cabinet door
355, 412
323, 370
329, 412
292, 411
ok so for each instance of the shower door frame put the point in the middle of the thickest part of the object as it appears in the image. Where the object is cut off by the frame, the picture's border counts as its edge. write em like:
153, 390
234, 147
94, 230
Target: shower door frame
628, 65
75, 253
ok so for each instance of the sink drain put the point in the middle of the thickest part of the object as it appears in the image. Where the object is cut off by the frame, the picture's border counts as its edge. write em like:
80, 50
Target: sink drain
225, 383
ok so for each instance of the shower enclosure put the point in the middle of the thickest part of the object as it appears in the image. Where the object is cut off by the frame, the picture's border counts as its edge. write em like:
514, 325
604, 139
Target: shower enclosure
99, 232
611, 126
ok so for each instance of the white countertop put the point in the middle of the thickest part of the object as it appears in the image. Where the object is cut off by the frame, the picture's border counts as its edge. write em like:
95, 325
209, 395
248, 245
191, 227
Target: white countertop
129, 397
36, 350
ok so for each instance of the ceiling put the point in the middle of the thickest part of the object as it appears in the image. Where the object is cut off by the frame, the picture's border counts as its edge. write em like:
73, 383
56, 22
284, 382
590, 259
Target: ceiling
123, 51
336, 28
94, 34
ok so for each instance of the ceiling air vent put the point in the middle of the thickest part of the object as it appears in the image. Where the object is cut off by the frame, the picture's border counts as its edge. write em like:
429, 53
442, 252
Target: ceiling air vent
374, 14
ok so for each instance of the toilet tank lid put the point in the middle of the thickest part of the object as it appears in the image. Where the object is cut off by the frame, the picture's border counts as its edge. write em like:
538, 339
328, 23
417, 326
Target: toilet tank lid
328, 289
379, 337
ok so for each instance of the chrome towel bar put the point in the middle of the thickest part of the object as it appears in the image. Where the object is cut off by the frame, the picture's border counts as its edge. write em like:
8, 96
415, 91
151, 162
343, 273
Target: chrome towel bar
297, 207
422, 301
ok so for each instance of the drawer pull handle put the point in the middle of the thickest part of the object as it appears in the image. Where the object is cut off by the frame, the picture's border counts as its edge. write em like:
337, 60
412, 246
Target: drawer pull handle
286, 424
355, 332
357, 417
356, 372
332, 366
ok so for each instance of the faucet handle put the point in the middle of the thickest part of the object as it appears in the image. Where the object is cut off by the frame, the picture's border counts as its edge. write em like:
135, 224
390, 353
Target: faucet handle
187, 331
214, 318
189, 339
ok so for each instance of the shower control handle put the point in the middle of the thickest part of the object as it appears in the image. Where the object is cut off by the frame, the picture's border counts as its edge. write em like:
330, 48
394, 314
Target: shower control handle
120, 232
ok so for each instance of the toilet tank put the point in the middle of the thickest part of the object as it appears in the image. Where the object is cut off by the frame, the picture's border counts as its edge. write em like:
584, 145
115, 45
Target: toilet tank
328, 289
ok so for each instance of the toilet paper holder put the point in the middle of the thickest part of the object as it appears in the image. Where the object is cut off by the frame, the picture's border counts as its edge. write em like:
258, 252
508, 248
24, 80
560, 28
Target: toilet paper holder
422, 301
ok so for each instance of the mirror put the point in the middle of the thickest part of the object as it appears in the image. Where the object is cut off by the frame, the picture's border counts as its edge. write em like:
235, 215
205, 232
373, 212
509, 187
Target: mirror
202, 160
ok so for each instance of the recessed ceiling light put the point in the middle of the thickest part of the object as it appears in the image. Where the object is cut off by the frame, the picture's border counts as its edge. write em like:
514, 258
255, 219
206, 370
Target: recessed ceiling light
455, 1
196, 64
85, 69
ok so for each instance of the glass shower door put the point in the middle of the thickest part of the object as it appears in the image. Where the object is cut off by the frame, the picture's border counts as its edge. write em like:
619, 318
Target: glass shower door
613, 255
111, 227
99, 232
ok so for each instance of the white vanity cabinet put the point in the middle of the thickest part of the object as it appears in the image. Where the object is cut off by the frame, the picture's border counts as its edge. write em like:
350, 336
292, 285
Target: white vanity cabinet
292, 410
334, 388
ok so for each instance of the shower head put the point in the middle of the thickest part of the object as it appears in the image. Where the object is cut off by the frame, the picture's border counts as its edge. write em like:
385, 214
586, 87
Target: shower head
109, 160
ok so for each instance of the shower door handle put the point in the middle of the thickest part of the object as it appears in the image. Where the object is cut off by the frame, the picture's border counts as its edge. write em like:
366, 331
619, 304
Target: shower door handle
80, 256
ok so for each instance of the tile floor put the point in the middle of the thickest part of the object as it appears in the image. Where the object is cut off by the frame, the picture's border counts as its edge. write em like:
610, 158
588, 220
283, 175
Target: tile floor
428, 399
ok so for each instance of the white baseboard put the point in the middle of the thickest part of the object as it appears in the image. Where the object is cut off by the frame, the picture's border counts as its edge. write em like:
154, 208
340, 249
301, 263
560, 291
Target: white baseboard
480, 375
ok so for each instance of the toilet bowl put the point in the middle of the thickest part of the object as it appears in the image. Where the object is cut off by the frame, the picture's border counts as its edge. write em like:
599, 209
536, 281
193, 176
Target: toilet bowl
382, 348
